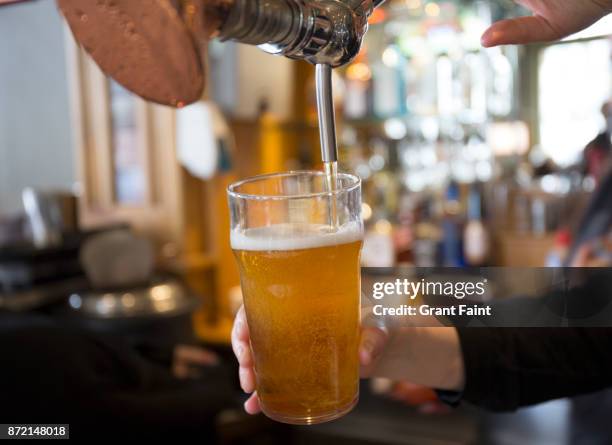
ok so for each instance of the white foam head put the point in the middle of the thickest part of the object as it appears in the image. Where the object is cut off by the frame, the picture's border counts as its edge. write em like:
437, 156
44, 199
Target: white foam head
295, 236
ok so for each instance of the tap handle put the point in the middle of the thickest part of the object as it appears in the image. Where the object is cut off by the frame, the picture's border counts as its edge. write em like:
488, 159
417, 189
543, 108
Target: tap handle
145, 46
338, 29
326, 32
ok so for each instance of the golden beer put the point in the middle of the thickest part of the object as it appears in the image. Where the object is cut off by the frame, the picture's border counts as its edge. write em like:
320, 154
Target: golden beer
301, 288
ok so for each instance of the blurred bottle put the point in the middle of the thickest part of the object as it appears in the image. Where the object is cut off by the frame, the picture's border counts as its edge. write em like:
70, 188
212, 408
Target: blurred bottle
382, 190
358, 95
452, 229
501, 83
403, 234
538, 216
476, 243
383, 164
558, 254
445, 86
472, 78
427, 237
388, 86
378, 249
521, 207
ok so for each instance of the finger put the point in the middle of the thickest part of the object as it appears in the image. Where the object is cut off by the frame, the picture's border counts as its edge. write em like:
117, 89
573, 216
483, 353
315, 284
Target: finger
242, 350
240, 330
196, 355
519, 31
251, 406
247, 379
372, 343
240, 340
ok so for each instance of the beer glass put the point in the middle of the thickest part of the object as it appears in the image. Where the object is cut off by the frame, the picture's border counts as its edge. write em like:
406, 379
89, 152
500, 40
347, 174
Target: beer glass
297, 245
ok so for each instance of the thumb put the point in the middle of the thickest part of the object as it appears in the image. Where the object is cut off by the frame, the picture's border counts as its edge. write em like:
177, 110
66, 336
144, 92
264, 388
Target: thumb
373, 341
520, 30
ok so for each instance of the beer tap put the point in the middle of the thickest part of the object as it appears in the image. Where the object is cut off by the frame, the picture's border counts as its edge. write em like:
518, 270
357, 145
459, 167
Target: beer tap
322, 32
155, 48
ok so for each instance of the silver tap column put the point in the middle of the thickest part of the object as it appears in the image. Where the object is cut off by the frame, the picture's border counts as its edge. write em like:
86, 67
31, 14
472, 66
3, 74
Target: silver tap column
327, 116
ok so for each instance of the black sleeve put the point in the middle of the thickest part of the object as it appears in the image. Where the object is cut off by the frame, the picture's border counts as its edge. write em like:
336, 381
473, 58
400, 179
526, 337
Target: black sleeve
507, 368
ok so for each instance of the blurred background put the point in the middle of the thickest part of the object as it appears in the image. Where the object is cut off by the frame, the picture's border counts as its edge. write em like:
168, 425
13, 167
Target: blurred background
469, 157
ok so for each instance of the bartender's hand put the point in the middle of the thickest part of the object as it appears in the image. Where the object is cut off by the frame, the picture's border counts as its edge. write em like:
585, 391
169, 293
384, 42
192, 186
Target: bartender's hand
429, 356
242, 349
551, 20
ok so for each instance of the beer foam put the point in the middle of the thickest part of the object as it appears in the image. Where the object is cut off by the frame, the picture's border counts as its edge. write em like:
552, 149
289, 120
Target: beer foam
295, 236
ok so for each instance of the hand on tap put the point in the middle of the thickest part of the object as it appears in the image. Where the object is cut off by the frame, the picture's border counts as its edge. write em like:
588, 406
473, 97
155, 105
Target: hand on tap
551, 20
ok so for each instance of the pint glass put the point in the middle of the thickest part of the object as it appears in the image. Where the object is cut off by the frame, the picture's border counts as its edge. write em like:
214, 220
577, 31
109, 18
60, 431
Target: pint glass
297, 245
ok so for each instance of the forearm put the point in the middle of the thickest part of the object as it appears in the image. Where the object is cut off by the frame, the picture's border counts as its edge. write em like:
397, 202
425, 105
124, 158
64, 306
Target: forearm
499, 368
430, 356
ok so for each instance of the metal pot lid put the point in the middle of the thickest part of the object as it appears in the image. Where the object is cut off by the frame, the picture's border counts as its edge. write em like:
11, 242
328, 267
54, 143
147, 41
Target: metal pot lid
144, 46
164, 299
